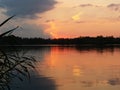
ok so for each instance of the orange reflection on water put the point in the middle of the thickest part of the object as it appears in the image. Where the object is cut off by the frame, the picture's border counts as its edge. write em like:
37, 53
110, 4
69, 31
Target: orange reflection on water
75, 70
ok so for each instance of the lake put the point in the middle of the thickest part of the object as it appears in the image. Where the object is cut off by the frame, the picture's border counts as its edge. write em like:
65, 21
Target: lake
72, 68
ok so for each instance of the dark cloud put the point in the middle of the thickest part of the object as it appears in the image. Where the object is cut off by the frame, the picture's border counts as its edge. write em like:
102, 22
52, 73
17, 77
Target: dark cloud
115, 7
26, 8
87, 5
52, 20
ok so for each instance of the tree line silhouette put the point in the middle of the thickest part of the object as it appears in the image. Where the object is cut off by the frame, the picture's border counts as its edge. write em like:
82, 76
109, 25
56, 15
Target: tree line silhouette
99, 40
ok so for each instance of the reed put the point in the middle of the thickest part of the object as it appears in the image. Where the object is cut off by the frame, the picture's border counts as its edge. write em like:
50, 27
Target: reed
13, 65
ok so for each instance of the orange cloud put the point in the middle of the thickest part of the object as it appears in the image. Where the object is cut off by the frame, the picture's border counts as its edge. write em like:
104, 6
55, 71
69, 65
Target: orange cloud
52, 30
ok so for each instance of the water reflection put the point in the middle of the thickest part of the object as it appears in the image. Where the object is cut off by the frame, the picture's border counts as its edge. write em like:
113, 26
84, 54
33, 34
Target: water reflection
37, 82
14, 65
73, 68
112, 81
98, 49
77, 71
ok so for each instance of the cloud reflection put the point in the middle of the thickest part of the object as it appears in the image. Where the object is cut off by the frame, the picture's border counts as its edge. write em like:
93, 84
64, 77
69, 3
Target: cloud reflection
76, 71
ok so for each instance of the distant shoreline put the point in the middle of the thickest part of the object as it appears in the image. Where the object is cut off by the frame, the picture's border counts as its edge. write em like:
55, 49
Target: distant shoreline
65, 45
80, 41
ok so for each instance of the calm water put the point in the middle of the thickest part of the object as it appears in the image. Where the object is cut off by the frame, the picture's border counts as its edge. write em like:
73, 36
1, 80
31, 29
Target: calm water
73, 68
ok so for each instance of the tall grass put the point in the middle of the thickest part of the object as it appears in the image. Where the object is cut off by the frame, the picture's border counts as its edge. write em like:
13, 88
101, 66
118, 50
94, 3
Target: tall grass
9, 31
13, 64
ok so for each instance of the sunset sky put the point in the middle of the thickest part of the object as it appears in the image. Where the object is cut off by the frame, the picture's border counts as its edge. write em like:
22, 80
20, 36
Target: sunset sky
62, 18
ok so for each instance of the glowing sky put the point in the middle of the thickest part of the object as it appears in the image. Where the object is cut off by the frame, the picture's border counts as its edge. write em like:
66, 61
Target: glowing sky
70, 18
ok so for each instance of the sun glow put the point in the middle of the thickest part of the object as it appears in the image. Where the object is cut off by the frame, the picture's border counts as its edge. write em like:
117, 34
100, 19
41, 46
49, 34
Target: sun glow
81, 18
52, 30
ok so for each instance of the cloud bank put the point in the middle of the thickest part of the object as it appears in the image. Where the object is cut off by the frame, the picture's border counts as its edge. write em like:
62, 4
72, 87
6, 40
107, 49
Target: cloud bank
26, 8
115, 7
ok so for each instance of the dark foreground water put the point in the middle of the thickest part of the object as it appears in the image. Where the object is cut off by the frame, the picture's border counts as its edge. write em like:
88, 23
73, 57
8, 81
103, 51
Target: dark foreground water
72, 68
